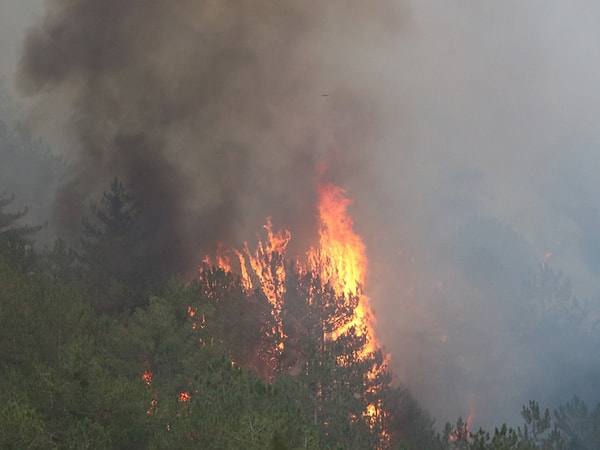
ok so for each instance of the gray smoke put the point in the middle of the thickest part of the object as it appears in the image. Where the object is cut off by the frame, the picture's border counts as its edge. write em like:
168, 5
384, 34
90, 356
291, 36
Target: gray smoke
214, 114
490, 185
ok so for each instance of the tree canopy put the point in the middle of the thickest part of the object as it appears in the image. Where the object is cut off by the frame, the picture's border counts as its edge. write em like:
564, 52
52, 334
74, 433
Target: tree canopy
189, 365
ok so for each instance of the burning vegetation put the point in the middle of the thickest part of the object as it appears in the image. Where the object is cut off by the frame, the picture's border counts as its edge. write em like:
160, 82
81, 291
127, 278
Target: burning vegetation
319, 315
303, 320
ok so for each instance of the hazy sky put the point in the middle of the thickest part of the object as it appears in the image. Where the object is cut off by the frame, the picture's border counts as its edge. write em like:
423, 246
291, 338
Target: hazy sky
452, 112
15, 18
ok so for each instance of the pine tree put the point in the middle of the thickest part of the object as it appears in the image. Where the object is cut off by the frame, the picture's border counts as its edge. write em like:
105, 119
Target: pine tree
16, 243
113, 252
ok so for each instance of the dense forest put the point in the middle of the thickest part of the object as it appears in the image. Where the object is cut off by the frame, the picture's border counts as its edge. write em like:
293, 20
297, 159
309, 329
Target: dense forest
102, 347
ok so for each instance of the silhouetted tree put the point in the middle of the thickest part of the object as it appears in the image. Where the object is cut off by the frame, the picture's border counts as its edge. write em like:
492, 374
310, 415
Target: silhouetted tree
16, 243
579, 425
114, 253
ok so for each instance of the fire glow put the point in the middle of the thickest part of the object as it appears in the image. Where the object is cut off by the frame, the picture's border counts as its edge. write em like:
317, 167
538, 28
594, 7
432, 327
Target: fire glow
339, 260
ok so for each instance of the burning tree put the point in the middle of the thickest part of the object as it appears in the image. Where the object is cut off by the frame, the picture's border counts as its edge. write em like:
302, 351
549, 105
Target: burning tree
319, 328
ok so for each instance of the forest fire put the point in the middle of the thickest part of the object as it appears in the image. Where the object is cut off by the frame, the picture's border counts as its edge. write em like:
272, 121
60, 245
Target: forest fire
339, 262
341, 259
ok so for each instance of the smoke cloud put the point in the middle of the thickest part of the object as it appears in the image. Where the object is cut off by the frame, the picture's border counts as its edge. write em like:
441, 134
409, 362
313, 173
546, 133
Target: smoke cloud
465, 131
214, 114
487, 211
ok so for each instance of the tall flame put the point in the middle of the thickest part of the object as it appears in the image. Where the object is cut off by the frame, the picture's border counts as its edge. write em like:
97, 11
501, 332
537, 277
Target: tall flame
341, 258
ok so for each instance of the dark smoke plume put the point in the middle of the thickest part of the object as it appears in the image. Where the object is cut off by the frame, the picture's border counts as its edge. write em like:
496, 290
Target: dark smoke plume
214, 114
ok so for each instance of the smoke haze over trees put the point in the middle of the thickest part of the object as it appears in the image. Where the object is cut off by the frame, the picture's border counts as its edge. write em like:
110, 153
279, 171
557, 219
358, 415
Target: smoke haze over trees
163, 376
212, 113
465, 131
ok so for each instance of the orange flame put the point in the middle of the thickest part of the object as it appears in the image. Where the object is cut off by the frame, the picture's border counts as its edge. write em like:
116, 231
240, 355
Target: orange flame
267, 262
464, 430
147, 377
471, 415
341, 258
